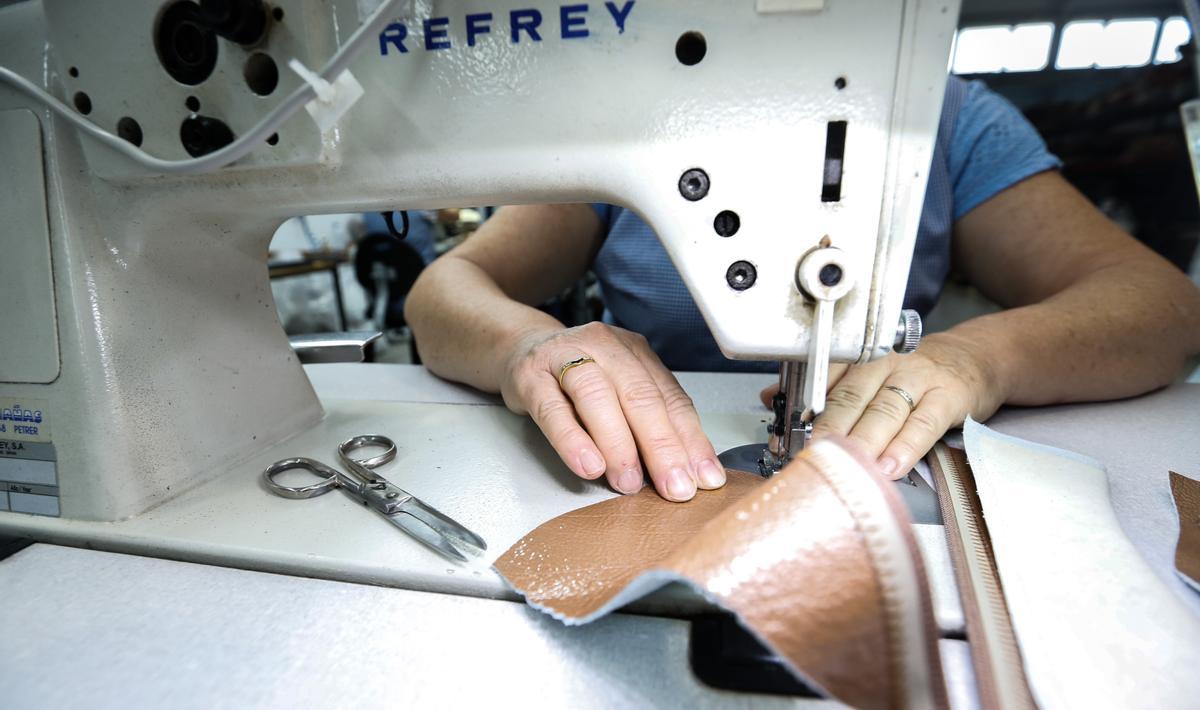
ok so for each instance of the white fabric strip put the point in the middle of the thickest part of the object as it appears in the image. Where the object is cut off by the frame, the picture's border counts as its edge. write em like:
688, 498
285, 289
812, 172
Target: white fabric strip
1095, 625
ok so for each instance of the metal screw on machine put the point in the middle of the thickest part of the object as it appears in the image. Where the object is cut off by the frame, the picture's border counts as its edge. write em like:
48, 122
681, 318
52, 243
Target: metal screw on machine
908, 332
830, 275
693, 184
741, 275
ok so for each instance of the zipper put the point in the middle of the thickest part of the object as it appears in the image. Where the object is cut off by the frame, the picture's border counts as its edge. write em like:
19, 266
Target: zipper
999, 669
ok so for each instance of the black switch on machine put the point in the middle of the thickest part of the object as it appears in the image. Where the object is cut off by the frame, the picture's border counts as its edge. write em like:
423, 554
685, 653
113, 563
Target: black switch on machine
241, 21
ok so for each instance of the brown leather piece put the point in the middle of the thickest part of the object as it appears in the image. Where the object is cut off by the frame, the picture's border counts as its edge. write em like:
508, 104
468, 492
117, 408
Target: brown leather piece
1186, 492
819, 562
578, 561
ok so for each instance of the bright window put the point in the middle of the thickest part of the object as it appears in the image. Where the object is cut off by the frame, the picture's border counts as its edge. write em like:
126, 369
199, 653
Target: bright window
988, 50
1175, 34
1106, 45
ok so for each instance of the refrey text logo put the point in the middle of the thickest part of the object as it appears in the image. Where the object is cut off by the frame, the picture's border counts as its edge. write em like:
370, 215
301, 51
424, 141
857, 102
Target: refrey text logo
525, 25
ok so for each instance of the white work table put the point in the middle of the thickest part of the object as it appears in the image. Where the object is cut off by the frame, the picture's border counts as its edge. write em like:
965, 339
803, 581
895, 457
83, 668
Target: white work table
102, 630
208, 635
458, 450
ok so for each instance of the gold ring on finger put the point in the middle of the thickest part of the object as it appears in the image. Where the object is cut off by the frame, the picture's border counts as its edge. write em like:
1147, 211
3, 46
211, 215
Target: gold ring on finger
912, 406
568, 365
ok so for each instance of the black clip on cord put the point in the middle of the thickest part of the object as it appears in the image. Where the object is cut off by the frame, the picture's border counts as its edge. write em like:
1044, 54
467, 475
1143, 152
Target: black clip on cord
390, 218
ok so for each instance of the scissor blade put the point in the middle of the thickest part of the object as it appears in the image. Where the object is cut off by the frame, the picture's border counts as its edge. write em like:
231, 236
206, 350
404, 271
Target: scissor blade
444, 525
426, 536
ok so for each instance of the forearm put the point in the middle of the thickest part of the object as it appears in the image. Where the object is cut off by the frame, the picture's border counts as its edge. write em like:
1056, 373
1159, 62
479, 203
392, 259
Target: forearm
1120, 331
468, 337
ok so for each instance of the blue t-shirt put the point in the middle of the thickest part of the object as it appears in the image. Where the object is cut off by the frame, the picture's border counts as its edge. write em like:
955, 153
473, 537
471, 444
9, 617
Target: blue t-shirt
984, 145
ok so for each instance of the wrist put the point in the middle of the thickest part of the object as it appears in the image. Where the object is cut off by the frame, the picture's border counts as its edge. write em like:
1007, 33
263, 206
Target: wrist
519, 342
980, 361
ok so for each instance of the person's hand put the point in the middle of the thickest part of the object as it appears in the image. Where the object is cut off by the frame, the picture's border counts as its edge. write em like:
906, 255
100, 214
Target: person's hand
608, 409
945, 377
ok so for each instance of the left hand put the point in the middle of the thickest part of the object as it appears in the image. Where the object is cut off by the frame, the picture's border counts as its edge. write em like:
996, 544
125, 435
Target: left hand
947, 379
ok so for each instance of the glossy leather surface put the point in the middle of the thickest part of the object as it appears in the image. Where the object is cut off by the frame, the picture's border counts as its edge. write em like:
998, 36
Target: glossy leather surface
818, 562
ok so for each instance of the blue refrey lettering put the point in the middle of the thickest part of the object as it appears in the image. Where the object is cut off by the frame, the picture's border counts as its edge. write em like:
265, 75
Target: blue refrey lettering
570, 19
437, 33
394, 35
619, 16
523, 25
527, 20
475, 26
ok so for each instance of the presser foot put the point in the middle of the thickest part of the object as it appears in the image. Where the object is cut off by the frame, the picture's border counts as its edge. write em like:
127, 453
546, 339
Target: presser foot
760, 458
779, 452
919, 498
747, 457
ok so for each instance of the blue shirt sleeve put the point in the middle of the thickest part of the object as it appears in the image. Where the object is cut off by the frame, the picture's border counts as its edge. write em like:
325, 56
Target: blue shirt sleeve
993, 147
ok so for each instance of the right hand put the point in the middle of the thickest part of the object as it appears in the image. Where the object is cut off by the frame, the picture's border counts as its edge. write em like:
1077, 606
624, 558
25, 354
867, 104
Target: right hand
608, 411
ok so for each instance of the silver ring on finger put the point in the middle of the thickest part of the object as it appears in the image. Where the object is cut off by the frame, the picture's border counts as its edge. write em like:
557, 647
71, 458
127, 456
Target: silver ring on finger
571, 364
908, 398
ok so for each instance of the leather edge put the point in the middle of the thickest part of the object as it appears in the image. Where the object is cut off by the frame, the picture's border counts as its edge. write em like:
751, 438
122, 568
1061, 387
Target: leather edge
912, 629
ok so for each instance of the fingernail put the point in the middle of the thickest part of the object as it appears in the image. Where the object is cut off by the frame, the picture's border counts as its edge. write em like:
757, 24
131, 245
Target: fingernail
680, 485
711, 475
630, 481
888, 467
592, 464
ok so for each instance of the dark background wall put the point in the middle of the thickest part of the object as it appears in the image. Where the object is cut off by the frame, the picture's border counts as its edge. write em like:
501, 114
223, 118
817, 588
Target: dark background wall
1118, 131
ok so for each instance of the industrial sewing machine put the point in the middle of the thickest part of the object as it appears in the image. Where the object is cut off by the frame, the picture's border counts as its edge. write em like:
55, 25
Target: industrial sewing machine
778, 147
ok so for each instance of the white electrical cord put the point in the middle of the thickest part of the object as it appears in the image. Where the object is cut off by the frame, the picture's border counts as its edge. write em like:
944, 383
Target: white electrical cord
240, 147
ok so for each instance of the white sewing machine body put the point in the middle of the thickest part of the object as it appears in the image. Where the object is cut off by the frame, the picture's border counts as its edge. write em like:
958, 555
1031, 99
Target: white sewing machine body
145, 382
149, 347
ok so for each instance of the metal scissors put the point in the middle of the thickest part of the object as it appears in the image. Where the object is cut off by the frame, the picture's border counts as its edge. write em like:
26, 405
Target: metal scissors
401, 508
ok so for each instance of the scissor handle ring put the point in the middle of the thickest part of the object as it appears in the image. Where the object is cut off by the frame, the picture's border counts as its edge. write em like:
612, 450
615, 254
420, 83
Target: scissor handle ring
358, 442
330, 476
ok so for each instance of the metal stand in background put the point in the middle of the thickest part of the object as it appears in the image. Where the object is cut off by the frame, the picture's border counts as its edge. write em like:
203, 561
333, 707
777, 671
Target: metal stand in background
311, 263
353, 346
